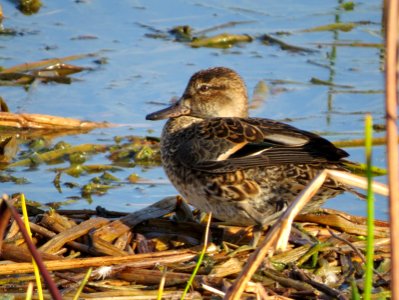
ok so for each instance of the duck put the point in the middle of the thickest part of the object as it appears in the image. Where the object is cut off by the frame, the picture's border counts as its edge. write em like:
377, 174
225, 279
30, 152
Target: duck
245, 170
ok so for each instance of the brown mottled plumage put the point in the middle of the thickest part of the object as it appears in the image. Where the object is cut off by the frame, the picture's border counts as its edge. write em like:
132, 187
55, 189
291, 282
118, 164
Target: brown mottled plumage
244, 170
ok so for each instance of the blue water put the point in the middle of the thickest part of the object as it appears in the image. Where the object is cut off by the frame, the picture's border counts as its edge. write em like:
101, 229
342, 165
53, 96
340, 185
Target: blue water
141, 70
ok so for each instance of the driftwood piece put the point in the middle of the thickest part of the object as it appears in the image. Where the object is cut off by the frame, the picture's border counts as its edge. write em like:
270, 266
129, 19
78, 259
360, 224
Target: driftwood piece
287, 282
13, 232
71, 234
134, 294
136, 260
229, 267
39, 121
107, 248
41, 230
73, 244
343, 224
153, 277
21, 254
56, 222
122, 241
115, 229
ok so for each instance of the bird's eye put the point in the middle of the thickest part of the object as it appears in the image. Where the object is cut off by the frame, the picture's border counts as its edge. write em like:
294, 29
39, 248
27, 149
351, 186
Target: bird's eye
203, 88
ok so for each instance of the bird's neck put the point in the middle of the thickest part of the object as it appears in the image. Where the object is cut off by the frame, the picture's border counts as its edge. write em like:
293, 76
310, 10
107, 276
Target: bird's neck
175, 125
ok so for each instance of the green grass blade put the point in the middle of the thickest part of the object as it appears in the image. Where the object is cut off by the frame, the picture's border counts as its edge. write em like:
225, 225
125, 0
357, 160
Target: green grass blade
200, 259
29, 291
368, 282
82, 284
355, 290
162, 283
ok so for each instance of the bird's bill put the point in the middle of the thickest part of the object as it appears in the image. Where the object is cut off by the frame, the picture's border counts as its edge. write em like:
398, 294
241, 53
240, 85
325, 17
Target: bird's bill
173, 111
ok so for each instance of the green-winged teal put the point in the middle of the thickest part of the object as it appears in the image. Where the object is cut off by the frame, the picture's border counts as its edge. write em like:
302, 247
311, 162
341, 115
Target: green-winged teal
244, 170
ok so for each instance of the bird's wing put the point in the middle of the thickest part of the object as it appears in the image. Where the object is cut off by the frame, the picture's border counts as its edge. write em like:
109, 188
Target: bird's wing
222, 145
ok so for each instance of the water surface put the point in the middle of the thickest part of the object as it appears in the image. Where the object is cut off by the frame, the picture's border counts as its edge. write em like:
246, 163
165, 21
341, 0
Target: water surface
141, 71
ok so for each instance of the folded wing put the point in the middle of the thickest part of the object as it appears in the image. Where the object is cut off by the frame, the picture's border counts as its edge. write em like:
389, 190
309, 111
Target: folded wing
230, 144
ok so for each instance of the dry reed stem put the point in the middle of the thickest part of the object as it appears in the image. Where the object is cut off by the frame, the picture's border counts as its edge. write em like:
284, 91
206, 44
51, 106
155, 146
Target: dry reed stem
358, 181
39, 121
295, 208
391, 84
136, 260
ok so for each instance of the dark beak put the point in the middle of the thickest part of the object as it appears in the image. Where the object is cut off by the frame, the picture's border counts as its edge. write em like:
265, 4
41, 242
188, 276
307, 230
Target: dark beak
173, 111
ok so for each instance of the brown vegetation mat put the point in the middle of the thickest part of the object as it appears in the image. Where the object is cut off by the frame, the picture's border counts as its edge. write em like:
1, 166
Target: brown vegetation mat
132, 253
